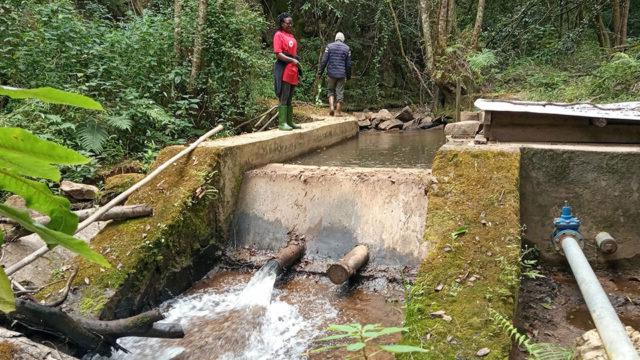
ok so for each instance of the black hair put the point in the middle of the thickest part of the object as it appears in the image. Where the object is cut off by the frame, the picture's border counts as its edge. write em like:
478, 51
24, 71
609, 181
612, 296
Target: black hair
282, 17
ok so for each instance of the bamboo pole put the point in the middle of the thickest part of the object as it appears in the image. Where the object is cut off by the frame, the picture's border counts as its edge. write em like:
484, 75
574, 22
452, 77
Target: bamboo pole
120, 198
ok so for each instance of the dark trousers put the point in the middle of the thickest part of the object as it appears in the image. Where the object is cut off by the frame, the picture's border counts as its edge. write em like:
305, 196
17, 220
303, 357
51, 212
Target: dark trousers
286, 93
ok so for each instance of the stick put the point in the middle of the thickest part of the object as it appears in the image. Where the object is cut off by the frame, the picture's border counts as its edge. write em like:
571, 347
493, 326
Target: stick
43, 250
66, 291
261, 117
268, 122
265, 116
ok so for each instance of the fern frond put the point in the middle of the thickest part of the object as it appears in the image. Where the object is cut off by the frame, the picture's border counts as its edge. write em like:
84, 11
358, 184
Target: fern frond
92, 136
119, 122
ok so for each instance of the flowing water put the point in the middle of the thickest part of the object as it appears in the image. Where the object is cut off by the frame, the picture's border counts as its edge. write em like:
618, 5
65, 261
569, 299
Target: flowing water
234, 321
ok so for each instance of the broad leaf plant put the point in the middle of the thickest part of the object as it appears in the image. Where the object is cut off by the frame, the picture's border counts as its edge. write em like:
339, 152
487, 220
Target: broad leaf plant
25, 159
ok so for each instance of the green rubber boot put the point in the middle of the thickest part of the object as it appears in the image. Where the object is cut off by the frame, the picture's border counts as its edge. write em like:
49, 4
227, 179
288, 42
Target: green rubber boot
290, 119
282, 118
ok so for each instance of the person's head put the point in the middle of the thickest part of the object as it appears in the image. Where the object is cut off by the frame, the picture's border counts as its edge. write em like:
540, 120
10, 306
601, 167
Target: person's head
340, 37
285, 22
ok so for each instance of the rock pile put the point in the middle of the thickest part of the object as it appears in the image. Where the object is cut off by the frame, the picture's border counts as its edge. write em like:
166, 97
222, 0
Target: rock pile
404, 120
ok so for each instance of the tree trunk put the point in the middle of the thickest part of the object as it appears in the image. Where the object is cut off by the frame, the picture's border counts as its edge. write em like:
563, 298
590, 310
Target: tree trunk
451, 17
478, 26
442, 24
177, 29
426, 35
601, 31
624, 19
197, 42
615, 16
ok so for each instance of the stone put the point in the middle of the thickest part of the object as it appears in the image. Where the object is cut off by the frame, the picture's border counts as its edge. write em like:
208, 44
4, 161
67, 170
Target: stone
364, 123
17, 346
16, 201
405, 115
480, 140
383, 115
411, 125
483, 352
79, 191
462, 129
391, 124
589, 346
469, 116
375, 122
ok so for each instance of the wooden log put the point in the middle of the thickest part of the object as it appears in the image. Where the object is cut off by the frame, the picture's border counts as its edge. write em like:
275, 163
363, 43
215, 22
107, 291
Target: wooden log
348, 265
89, 334
116, 213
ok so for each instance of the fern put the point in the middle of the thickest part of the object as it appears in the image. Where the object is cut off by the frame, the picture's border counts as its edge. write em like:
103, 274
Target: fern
119, 122
92, 136
537, 351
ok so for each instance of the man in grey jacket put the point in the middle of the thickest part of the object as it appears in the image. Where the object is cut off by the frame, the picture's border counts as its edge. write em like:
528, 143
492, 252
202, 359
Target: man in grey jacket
337, 61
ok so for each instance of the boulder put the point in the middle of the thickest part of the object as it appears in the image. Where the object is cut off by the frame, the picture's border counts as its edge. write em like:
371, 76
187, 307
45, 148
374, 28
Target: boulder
411, 125
469, 116
462, 129
391, 124
364, 123
79, 191
383, 115
16, 201
375, 122
405, 115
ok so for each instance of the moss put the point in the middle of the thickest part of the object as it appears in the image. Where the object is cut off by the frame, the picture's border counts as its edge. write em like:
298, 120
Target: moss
120, 183
182, 197
7, 350
477, 190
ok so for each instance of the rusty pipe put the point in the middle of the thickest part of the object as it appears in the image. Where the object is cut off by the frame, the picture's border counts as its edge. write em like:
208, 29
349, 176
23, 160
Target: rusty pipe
606, 243
348, 265
289, 255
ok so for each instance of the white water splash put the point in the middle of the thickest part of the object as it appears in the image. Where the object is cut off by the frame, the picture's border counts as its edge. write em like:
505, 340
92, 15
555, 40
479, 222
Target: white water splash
240, 323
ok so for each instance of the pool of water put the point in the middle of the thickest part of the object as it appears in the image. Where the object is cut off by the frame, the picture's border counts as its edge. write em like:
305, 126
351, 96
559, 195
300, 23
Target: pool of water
407, 149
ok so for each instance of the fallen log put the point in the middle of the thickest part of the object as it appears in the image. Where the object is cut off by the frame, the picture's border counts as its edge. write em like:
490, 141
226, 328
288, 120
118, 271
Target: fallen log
92, 335
116, 213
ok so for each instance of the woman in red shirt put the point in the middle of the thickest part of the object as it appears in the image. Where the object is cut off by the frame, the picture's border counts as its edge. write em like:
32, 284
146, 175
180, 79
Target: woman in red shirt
286, 70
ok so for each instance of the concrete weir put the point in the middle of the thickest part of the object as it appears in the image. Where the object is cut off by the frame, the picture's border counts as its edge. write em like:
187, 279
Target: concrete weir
335, 209
155, 258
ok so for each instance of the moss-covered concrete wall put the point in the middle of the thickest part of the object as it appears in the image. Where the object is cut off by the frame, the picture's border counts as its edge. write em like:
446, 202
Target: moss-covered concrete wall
156, 258
467, 274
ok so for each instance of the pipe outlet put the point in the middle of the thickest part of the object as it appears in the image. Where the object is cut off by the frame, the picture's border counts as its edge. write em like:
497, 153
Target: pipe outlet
348, 265
289, 255
606, 243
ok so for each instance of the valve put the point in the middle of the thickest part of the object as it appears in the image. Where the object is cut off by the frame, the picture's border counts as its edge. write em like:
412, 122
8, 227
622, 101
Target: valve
566, 225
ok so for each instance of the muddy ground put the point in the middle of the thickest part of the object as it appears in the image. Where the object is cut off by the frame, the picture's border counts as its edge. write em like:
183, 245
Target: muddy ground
552, 310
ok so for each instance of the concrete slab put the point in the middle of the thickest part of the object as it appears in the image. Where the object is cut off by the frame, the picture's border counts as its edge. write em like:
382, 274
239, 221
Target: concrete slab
335, 208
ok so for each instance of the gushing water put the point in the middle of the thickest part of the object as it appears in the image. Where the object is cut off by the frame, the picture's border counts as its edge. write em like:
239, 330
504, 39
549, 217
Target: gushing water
241, 322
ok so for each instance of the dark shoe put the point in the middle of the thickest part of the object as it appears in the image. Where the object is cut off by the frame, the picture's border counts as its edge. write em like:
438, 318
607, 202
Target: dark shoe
282, 118
290, 119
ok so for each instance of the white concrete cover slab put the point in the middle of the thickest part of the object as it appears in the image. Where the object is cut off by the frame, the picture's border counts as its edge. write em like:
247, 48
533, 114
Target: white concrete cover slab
625, 111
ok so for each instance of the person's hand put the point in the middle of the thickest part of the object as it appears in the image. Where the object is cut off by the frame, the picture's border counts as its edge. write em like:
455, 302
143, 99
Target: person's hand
295, 62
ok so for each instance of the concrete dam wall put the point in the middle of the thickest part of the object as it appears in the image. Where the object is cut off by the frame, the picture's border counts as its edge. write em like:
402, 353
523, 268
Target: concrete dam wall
335, 208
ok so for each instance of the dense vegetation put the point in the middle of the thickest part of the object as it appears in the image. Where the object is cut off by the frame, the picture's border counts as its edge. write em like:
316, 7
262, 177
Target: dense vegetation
166, 71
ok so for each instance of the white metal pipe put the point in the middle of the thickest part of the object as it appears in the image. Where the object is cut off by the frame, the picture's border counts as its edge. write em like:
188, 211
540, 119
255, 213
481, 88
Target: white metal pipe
612, 332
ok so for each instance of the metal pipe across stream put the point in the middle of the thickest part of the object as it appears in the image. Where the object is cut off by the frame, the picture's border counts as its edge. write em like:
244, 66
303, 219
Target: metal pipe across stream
612, 332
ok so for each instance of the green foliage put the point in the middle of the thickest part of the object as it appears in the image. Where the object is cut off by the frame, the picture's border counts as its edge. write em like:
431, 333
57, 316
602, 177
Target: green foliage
130, 66
537, 351
359, 336
24, 156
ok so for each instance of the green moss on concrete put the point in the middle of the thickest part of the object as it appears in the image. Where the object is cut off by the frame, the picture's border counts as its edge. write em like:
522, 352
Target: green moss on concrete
119, 183
183, 222
477, 190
